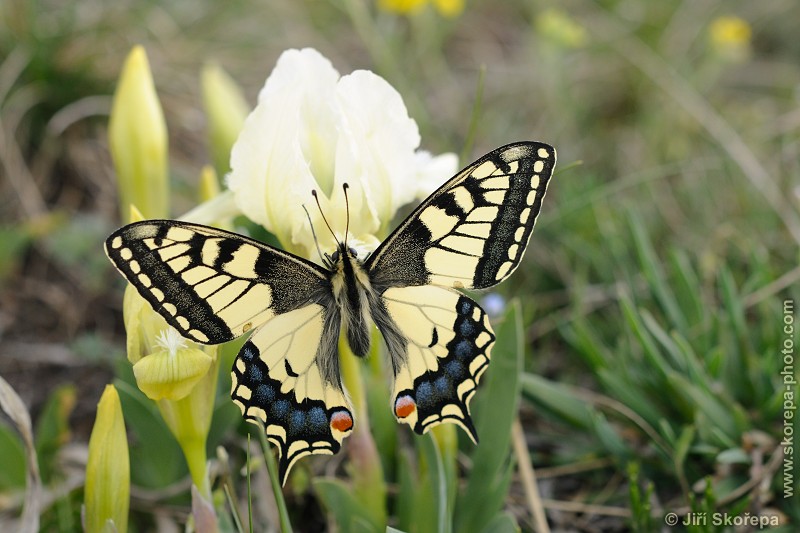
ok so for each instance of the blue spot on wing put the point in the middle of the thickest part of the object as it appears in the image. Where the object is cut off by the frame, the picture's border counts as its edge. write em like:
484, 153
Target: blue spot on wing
464, 349
424, 393
317, 419
467, 328
254, 374
264, 394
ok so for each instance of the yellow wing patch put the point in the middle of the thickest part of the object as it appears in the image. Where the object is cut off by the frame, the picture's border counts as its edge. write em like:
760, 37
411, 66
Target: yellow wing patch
277, 381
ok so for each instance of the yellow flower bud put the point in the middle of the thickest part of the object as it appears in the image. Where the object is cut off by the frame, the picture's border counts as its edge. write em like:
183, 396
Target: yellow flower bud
171, 373
137, 136
209, 184
226, 109
107, 491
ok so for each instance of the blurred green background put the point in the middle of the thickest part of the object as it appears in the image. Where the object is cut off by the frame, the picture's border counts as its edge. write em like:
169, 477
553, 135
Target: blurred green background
653, 295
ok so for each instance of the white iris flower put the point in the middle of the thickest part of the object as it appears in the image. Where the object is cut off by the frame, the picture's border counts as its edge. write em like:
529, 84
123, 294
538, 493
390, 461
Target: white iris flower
316, 130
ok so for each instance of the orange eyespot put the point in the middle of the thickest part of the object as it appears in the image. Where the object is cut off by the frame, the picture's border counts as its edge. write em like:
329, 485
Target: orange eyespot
341, 421
404, 406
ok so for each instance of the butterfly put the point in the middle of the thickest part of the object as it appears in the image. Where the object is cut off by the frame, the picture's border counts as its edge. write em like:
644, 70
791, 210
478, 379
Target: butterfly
213, 286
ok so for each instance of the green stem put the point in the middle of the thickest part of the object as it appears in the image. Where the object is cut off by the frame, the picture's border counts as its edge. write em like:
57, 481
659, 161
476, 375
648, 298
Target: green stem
369, 485
189, 419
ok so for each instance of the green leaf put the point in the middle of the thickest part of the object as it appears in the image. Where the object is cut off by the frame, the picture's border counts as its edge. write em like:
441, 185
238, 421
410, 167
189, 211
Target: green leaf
349, 513
52, 428
558, 399
495, 408
155, 452
415, 498
503, 522
438, 483
12, 460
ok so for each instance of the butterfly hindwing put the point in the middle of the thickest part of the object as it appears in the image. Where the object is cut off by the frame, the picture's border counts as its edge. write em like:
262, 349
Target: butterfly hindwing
471, 232
286, 377
442, 350
209, 284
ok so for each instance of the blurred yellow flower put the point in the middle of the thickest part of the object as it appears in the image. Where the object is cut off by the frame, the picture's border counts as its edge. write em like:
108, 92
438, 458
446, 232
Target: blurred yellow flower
108, 482
137, 137
560, 29
730, 38
447, 8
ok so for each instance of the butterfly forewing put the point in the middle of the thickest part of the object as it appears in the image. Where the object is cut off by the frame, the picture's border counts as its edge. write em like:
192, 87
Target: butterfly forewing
210, 284
472, 232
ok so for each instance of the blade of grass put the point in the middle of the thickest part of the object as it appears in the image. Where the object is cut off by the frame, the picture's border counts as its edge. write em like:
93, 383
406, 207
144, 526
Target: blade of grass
13, 406
272, 469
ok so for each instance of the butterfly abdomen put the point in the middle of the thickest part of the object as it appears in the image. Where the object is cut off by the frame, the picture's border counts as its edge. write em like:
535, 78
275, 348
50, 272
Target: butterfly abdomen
350, 287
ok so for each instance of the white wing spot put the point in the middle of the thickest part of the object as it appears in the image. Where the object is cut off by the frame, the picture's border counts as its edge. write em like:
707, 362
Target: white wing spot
523, 217
116, 242
519, 234
126, 253
543, 153
199, 335
144, 280
502, 272
538, 166
512, 251
158, 293
183, 322
170, 308
135, 267
531, 197
535, 180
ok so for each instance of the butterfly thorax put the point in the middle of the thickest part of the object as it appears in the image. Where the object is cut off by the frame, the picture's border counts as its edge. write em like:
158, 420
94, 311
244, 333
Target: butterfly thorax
351, 289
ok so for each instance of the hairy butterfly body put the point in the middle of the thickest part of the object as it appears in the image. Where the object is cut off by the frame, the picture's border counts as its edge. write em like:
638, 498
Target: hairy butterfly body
213, 286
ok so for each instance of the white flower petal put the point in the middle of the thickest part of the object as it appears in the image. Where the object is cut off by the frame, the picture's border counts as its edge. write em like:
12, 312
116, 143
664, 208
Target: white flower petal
313, 130
433, 171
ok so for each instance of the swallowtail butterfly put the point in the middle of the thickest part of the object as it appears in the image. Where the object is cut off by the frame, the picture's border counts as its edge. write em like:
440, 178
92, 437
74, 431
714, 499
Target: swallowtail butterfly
213, 286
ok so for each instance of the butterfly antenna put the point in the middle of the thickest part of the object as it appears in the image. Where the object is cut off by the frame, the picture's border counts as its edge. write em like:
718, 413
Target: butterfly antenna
314, 233
347, 205
316, 199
